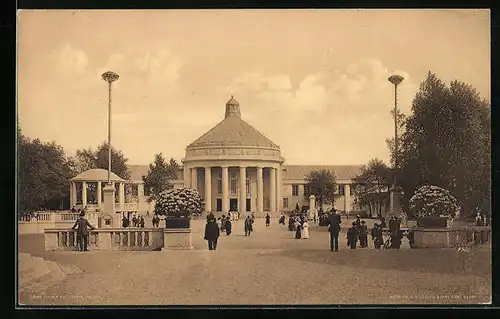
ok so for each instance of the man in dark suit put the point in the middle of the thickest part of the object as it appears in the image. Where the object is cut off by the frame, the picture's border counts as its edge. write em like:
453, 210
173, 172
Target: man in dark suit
334, 229
83, 231
212, 233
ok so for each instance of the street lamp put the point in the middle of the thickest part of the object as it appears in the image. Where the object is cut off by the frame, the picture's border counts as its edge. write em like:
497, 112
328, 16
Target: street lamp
395, 196
109, 77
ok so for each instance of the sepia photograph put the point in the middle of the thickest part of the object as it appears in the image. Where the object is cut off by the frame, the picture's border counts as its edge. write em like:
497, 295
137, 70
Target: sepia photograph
253, 157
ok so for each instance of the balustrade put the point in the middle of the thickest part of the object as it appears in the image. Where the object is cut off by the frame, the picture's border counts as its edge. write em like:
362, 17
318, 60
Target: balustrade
106, 239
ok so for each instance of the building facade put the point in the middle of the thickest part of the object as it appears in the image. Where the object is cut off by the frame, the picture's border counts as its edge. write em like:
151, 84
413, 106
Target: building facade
233, 166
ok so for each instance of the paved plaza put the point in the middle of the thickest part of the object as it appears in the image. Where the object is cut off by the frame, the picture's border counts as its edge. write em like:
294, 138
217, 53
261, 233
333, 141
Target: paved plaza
269, 267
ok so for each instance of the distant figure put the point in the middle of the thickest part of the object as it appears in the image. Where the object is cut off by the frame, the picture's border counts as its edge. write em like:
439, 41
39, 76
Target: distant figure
358, 221
83, 231
334, 222
377, 237
124, 222
210, 215
411, 237
147, 213
212, 233
238, 216
142, 222
248, 226
223, 223
314, 218
291, 223
134, 221
281, 219
228, 226
352, 236
219, 223
363, 235
229, 215
298, 230
268, 220
382, 223
253, 217
394, 229
73, 210
305, 230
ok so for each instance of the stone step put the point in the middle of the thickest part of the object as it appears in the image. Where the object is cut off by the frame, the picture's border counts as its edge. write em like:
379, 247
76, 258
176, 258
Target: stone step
35, 268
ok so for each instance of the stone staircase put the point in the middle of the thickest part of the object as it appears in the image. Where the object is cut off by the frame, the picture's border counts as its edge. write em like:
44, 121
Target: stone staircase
36, 274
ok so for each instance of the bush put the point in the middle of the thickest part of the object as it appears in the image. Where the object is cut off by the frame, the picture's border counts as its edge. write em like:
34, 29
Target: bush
179, 203
433, 201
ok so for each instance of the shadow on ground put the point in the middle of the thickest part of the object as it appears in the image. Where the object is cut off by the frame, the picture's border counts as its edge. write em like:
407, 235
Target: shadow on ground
446, 261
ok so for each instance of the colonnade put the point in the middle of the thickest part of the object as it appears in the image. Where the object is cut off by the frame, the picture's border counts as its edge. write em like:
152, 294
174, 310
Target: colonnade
100, 185
191, 181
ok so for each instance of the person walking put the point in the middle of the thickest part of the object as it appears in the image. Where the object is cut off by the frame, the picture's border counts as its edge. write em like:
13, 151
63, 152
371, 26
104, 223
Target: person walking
298, 230
228, 226
394, 228
83, 231
124, 222
377, 237
305, 230
212, 233
142, 222
248, 226
334, 222
363, 235
352, 236
268, 220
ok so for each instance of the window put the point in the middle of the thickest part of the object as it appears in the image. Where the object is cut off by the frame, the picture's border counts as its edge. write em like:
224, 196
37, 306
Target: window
295, 190
219, 183
307, 189
352, 189
341, 189
285, 202
233, 184
107, 222
249, 189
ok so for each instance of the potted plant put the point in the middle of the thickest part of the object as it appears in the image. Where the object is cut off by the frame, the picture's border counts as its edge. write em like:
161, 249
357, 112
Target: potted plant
433, 206
177, 206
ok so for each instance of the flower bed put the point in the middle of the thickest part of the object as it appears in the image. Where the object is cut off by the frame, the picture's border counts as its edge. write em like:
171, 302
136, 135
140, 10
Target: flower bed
178, 205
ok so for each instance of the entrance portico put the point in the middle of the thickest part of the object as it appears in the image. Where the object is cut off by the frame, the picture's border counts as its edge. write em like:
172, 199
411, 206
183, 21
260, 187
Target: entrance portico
235, 167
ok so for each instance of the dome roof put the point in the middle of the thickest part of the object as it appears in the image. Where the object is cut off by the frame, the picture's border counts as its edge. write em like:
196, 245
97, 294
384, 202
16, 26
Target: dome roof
233, 130
96, 174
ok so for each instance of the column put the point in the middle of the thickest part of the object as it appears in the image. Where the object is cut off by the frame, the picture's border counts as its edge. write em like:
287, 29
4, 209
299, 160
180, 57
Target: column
99, 194
347, 197
84, 194
243, 191
121, 195
272, 189
225, 189
260, 191
72, 192
194, 178
208, 189
187, 180
279, 200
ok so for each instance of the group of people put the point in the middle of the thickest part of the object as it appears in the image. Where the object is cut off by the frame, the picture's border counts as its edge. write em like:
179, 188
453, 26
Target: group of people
299, 224
137, 221
214, 227
156, 220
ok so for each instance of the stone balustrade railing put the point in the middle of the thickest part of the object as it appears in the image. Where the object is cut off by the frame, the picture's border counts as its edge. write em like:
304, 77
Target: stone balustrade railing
451, 237
63, 239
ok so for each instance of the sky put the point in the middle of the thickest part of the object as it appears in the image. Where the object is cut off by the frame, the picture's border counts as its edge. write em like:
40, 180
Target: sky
312, 81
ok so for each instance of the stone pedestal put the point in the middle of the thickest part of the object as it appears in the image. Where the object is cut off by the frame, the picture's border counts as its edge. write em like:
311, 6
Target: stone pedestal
312, 206
432, 238
396, 194
109, 205
177, 239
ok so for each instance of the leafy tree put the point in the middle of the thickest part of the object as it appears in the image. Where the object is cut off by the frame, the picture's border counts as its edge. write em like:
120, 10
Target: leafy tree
401, 121
160, 175
322, 185
43, 173
88, 158
446, 143
372, 186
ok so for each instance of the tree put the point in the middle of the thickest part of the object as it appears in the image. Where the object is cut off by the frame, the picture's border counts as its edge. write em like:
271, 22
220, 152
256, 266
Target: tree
433, 201
401, 121
446, 143
43, 174
322, 185
88, 159
160, 175
372, 186
181, 202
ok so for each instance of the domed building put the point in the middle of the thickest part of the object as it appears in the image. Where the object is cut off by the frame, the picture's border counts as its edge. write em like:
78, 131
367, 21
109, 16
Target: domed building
236, 168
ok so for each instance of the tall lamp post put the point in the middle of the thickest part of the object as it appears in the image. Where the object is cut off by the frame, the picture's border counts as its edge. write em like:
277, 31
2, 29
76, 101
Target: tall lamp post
109, 190
396, 191
109, 77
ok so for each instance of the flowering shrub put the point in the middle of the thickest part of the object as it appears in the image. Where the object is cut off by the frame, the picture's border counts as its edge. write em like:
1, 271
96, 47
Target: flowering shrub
181, 202
433, 201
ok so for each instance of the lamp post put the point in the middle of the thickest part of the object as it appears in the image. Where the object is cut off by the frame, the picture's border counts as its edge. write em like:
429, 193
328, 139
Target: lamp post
396, 192
109, 77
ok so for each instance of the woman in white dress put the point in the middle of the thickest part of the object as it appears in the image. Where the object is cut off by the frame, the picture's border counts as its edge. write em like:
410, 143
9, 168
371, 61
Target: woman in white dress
305, 230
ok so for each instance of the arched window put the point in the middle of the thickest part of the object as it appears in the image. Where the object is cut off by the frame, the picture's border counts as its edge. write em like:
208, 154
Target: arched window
234, 184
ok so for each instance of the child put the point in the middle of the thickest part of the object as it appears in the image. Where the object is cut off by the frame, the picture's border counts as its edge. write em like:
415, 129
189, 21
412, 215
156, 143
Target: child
352, 236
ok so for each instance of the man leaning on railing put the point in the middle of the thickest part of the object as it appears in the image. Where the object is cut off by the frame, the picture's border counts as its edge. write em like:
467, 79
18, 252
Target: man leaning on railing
83, 231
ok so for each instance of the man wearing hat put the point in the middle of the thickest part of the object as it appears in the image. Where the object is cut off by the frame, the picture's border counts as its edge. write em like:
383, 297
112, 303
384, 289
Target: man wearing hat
334, 222
83, 231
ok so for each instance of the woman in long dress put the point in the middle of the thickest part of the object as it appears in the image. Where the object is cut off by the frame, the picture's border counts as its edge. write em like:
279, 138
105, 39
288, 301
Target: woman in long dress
298, 230
305, 230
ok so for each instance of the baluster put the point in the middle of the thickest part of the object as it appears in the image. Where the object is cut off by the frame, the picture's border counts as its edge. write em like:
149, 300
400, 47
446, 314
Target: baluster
59, 239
